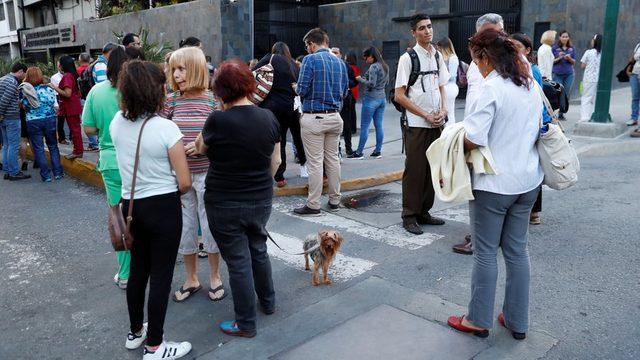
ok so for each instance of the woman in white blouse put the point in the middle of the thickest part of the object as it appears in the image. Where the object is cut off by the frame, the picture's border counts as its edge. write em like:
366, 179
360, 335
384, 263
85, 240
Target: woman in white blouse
451, 88
506, 119
590, 62
545, 53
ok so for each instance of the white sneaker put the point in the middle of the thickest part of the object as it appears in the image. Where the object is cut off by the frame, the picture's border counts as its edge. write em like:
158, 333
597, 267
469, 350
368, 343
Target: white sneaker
168, 351
303, 171
134, 341
632, 122
122, 284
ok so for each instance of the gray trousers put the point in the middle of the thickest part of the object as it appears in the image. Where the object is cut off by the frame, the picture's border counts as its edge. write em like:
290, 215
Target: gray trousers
500, 221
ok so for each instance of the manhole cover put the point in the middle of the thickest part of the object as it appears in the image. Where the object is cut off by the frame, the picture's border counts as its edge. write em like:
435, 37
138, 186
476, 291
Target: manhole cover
374, 201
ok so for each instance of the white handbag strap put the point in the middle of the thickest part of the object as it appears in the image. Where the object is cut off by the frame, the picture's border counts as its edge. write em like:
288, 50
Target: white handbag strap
547, 105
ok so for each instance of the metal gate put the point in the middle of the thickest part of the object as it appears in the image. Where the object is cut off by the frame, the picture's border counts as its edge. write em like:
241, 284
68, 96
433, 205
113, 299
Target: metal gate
284, 20
464, 13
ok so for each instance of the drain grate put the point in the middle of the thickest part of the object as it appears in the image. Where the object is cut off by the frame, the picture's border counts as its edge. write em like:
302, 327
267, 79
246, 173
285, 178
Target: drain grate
374, 201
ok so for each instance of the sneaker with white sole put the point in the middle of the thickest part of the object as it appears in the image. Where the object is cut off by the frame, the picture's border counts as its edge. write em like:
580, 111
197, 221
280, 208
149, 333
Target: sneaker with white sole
120, 283
168, 351
135, 340
632, 122
304, 173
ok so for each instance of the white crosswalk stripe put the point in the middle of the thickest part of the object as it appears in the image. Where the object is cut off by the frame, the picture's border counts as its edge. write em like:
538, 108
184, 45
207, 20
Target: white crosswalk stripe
458, 214
344, 267
394, 235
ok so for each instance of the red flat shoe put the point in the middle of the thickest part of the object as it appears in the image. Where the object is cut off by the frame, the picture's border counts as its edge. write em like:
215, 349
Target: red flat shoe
516, 335
456, 323
281, 183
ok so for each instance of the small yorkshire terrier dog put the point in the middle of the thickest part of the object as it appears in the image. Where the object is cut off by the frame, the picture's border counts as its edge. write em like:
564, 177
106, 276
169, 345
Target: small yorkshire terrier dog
330, 242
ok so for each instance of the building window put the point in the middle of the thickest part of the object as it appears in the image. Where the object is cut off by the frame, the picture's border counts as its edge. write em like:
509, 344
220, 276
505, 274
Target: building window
1, 12
11, 13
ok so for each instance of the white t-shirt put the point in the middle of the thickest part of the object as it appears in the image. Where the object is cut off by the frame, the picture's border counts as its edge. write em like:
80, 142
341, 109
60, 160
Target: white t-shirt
429, 99
545, 60
591, 58
474, 83
155, 176
506, 119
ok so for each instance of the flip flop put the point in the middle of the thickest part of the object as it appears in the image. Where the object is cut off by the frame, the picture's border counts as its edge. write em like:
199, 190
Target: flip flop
190, 291
212, 292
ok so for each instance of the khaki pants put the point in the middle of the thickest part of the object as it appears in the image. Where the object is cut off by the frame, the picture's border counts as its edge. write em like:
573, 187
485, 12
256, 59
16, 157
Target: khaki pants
320, 137
417, 190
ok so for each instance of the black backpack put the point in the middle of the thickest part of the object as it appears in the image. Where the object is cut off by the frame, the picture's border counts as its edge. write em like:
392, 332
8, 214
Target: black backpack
413, 77
85, 80
557, 95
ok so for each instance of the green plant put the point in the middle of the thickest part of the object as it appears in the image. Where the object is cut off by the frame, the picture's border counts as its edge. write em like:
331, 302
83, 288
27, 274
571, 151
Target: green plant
6, 65
153, 51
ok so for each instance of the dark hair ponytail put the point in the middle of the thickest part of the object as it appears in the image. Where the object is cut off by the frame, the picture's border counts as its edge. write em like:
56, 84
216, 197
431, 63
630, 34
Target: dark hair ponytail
597, 42
377, 57
68, 65
496, 46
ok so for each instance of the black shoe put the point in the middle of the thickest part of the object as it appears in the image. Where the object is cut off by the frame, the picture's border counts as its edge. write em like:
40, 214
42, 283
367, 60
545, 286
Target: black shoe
355, 155
376, 155
333, 207
25, 166
561, 116
429, 220
349, 152
6, 176
412, 227
0, 166
305, 210
19, 176
35, 165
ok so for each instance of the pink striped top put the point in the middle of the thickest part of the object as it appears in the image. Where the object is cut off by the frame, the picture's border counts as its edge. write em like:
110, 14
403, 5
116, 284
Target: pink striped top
190, 114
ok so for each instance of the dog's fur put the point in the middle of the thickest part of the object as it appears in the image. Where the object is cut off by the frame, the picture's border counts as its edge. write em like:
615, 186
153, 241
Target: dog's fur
330, 242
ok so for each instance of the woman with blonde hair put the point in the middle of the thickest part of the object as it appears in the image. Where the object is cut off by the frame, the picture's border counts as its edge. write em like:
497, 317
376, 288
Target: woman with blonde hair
189, 106
545, 53
451, 88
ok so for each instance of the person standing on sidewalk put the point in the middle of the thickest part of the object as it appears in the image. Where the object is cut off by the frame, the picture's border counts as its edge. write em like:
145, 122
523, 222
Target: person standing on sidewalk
85, 62
475, 81
10, 121
635, 91
322, 86
451, 89
425, 104
189, 108
242, 143
55, 80
545, 53
99, 109
70, 106
564, 57
348, 112
506, 119
374, 99
41, 122
162, 175
280, 102
99, 70
590, 62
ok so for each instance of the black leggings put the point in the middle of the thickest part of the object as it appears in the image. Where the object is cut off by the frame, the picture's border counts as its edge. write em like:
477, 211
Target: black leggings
289, 119
156, 227
61, 134
537, 207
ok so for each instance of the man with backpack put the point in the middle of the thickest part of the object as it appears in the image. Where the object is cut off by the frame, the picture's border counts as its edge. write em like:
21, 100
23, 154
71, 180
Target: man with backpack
419, 89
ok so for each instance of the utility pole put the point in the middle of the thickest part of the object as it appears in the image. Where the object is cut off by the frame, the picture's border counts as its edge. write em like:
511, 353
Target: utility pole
603, 96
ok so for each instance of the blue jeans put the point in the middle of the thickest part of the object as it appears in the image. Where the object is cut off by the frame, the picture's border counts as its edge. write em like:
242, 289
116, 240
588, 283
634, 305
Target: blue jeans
239, 230
11, 145
635, 95
372, 109
46, 128
566, 80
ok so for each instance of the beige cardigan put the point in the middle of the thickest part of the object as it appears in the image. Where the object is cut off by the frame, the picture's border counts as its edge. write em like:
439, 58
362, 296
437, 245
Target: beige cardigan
449, 165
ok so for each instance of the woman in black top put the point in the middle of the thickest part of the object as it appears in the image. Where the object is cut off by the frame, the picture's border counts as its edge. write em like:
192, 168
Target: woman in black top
242, 143
280, 102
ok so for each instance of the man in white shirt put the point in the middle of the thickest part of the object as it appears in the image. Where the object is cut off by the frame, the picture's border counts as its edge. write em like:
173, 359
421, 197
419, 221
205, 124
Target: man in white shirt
425, 105
474, 85
474, 78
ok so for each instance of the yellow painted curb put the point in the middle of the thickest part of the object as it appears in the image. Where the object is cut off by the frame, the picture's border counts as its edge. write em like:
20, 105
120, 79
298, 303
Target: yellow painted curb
86, 172
82, 170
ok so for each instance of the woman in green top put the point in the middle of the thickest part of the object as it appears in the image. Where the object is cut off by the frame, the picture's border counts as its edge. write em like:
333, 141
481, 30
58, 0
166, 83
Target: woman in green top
99, 108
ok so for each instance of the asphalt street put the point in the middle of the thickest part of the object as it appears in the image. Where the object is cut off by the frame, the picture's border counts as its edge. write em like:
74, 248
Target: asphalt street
59, 301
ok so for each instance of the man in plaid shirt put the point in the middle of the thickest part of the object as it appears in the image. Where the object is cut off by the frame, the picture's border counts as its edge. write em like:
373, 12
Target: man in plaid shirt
322, 85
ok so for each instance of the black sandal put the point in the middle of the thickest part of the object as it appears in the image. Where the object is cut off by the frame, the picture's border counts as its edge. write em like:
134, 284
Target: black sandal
190, 291
212, 292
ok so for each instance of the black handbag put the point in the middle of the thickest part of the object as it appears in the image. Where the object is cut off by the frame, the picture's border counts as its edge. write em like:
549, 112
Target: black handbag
556, 94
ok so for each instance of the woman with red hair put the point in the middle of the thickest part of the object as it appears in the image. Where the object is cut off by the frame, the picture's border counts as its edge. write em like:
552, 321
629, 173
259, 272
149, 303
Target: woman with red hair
506, 120
242, 142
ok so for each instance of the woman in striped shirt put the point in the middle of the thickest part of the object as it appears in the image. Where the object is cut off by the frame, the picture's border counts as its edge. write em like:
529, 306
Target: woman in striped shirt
189, 106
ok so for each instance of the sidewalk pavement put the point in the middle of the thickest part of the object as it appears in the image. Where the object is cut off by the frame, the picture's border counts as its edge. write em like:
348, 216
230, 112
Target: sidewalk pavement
368, 172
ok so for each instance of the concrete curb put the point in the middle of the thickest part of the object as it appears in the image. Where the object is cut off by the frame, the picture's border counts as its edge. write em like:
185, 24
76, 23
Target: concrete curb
79, 169
610, 148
